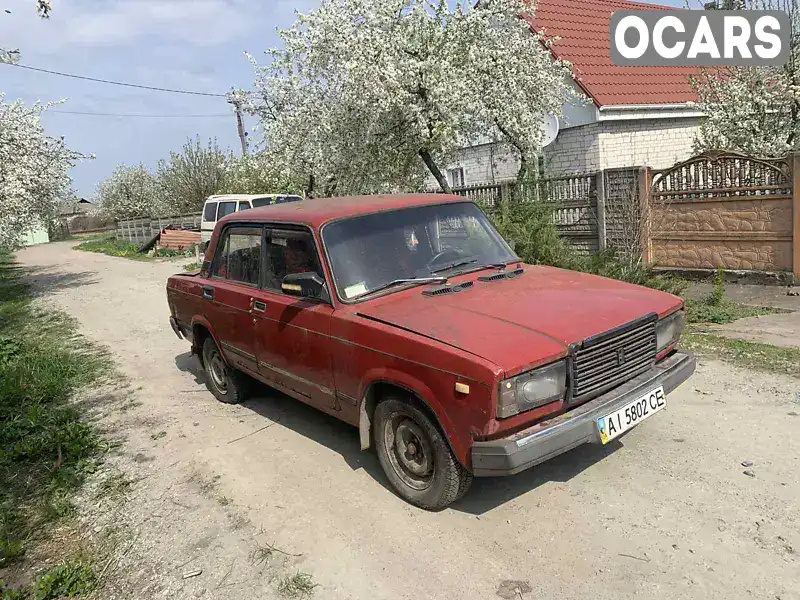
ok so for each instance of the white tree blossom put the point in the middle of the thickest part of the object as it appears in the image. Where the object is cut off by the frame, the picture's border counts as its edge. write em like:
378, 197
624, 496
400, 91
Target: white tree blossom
259, 173
34, 171
131, 191
366, 94
193, 174
43, 8
755, 110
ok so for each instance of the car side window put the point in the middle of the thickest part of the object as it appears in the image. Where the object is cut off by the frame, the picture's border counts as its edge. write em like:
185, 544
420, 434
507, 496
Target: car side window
210, 211
289, 252
244, 205
226, 208
238, 256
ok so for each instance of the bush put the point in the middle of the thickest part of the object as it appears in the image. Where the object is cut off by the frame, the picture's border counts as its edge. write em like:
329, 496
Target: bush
537, 241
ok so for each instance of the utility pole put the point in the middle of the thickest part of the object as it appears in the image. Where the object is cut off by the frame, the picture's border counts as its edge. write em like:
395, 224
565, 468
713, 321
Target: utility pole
237, 104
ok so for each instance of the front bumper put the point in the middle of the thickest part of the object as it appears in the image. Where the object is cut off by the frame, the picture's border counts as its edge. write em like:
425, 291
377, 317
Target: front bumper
543, 441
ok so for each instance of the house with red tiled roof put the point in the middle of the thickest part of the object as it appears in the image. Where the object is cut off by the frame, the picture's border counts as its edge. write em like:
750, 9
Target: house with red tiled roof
634, 116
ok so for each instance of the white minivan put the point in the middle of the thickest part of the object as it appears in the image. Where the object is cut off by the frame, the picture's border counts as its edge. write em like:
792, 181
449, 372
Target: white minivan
220, 205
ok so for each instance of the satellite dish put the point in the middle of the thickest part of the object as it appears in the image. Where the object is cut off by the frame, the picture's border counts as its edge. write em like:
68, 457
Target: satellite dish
549, 129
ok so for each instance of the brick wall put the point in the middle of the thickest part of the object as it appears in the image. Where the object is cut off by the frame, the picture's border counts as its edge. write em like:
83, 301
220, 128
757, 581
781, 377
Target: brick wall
656, 143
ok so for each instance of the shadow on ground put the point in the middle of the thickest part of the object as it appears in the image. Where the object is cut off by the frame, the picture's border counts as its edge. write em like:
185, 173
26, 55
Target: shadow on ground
46, 280
485, 494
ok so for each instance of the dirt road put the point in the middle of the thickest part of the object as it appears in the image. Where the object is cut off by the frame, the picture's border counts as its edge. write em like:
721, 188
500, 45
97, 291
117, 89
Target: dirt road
668, 513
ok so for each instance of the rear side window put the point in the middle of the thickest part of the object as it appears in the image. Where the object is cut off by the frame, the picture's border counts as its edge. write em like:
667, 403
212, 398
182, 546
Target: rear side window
244, 205
210, 211
226, 208
238, 256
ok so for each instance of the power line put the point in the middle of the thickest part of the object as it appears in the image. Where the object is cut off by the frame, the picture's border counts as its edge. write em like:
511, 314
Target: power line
142, 115
132, 85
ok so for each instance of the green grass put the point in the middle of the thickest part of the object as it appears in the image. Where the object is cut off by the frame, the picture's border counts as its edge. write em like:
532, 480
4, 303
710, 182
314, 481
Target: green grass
113, 247
748, 355
122, 248
47, 447
727, 311
192, 267
299, 585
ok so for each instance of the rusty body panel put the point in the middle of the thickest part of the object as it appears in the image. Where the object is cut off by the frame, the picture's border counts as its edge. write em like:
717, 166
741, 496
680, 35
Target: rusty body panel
329, 354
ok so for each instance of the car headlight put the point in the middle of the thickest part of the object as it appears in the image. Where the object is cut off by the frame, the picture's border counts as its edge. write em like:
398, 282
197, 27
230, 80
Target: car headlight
532, 389
669, 329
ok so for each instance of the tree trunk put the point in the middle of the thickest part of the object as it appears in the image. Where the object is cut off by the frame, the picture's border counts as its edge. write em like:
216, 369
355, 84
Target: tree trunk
426, 157
310, 187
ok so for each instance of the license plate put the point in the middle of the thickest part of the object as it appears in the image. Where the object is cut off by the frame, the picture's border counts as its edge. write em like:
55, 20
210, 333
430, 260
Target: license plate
630, 415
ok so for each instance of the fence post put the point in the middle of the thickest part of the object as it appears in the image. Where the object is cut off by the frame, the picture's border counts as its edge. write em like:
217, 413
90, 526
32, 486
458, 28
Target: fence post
601, 210
796, 214
645, 179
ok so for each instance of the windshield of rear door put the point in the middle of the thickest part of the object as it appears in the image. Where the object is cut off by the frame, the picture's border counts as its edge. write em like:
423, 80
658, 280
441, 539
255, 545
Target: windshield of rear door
367, 252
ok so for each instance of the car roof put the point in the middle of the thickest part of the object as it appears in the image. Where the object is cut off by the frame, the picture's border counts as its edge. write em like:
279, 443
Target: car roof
219, 197
315, 212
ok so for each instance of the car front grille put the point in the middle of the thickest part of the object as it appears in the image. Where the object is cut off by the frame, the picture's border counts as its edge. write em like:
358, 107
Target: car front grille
612, 358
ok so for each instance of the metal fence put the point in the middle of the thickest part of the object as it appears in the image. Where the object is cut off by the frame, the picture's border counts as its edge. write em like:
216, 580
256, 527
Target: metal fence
142, 229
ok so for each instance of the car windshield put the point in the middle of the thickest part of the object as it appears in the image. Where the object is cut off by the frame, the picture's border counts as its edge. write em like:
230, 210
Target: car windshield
368, 252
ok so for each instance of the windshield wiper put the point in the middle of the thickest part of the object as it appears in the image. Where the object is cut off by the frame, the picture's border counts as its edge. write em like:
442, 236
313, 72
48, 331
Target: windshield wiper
416, 280
454, 265
499, 265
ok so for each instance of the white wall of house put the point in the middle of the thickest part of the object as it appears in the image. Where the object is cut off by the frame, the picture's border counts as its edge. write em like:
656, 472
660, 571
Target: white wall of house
656, 143
616, 141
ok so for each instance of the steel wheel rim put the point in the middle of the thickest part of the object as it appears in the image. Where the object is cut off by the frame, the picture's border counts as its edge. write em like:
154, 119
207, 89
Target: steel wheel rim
410, 451
217, 372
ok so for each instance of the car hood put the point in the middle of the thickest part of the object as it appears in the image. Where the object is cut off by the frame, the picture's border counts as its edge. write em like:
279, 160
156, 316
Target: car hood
522, 322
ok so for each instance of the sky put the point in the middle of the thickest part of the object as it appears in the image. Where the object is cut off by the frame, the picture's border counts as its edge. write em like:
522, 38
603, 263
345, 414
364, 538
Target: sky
187, 44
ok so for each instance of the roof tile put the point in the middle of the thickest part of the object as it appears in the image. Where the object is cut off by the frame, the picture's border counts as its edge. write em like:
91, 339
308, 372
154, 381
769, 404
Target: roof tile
584, 29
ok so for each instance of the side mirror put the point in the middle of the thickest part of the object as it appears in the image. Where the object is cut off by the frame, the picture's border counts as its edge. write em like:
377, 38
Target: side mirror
512, 244
305, 285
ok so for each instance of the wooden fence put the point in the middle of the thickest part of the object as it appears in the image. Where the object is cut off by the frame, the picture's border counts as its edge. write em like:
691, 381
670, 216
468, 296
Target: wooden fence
590, 209
142, 229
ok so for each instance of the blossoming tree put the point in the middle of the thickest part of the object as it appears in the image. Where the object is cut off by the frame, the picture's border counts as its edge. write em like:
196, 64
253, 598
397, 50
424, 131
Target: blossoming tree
34, 171
367, 95
755, 110
130, 191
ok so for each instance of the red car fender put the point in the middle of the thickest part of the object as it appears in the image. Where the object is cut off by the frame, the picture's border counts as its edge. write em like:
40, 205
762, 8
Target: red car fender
418, 389
201, 320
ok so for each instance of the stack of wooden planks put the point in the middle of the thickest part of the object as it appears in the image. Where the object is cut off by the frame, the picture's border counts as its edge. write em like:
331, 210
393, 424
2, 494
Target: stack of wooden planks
179, 239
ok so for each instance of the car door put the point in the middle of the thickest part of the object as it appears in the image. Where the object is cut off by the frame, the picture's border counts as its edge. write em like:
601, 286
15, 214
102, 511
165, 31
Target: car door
235, 277
294, 333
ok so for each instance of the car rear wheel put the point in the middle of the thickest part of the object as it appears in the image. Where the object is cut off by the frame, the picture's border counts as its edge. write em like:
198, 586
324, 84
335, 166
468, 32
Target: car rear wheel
416, 457
227, 385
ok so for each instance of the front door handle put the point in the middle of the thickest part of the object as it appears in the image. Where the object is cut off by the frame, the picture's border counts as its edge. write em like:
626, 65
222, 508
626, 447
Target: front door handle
208, 292
259, 306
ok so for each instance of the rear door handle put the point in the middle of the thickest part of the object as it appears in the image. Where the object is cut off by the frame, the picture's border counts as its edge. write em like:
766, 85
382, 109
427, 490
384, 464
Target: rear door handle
208, 292
259, 306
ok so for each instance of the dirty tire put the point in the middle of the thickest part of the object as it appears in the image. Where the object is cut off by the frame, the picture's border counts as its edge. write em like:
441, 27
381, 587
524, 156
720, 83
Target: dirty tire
227, 384
416, 457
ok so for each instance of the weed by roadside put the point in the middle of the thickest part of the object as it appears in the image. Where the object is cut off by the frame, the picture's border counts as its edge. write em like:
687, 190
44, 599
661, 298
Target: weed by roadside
299, 585
47, 447
192, 267
749, 355
716, 308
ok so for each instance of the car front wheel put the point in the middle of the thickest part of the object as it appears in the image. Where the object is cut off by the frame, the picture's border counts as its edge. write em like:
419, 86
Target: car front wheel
416, 457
